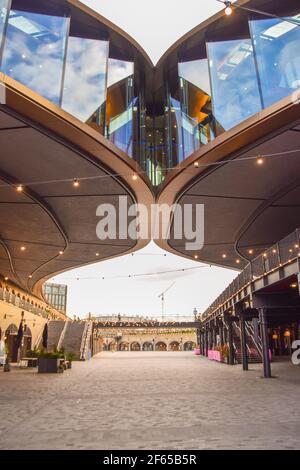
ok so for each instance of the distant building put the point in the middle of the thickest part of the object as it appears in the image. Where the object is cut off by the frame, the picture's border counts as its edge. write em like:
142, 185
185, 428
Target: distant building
56, 295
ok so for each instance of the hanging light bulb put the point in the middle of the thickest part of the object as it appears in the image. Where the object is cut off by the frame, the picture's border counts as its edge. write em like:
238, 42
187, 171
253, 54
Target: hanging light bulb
75, 182
228, 9
260, 161
19, 188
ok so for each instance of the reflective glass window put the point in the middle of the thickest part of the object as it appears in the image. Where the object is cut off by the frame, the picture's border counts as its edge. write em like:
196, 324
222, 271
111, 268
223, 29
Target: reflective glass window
84, 91
197, 119
4, 11
276, 44
234, 82
120, 104
34, 48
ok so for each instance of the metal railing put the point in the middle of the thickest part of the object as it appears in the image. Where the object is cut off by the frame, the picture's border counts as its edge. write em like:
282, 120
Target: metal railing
278, 255
88, 328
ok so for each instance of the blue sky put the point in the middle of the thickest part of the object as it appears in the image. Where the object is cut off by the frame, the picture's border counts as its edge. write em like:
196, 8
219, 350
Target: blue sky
156, 25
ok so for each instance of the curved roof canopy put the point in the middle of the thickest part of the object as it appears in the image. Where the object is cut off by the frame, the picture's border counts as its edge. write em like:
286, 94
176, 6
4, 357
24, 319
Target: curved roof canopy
82, 101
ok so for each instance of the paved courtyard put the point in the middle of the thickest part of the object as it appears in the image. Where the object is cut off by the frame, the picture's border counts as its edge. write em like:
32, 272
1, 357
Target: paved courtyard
150, 401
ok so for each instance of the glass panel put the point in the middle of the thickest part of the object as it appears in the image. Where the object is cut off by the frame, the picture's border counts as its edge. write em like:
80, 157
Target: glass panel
276, 44
34, 49
4, 7
176, 138
120, 104
197, 120
84, 91
234, 82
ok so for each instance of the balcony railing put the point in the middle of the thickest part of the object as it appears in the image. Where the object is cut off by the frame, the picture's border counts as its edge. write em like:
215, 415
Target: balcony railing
283, 252
15, 300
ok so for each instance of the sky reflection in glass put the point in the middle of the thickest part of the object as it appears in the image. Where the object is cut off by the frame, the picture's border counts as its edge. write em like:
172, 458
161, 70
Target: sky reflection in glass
277, 51
85, 77
234, 82
34, 51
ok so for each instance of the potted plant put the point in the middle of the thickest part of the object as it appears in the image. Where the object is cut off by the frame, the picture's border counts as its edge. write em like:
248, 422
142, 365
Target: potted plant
48, 362
70, 357
32, 356
61, 368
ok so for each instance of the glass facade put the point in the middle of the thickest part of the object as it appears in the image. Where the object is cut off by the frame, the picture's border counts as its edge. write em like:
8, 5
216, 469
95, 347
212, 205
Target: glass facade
121, 103
205, 89
84, 91
34, 48
234, 82
276, 44
56, 295
196, 108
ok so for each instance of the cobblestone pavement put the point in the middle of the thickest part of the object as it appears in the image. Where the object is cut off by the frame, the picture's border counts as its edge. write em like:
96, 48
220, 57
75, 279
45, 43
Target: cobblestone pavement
165, 400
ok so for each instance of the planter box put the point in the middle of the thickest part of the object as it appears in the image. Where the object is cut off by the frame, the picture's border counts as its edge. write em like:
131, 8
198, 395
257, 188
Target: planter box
197, 352
47, 365
215, 356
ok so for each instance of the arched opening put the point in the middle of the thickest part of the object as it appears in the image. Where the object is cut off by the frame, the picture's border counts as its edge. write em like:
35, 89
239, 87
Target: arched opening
189, 346
112, 346
135, 346
147, 346
160, 346
11, 342
124, 346
26, 342
174, 346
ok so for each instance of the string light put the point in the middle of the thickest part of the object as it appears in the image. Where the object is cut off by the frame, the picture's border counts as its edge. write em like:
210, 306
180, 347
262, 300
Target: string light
250, 252
6, 278
259, 160
196, 257
97, 254
196, 164
126, 276
76, 183
23, 248
30, 276
60, 252
228, 9
224, 256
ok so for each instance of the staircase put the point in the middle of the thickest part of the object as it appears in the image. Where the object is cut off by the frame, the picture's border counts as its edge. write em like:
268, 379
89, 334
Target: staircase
55, 329
72, 340
254, 352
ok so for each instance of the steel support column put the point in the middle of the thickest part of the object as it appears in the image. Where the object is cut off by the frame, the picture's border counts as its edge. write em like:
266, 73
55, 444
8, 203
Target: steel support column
243, 342
230, 343
221, 332
265, 342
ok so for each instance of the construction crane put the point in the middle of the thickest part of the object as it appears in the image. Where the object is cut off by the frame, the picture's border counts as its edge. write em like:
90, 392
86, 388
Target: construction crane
162, 296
